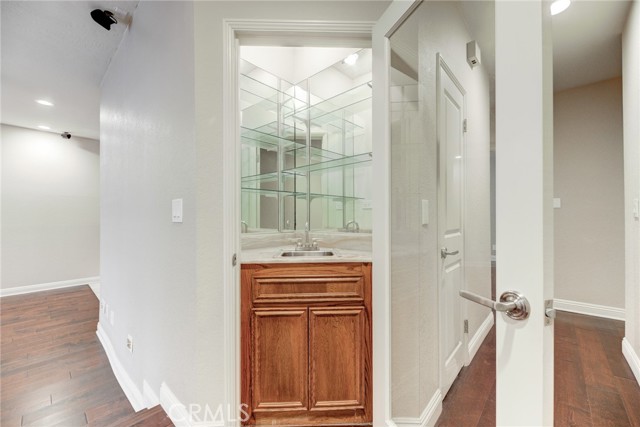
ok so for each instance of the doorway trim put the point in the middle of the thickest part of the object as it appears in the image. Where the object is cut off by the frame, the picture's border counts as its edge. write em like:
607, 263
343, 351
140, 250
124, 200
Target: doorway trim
270, 32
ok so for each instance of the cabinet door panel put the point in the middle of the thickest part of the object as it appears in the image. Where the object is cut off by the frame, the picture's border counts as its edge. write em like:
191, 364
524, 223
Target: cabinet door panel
339, 358
280, 360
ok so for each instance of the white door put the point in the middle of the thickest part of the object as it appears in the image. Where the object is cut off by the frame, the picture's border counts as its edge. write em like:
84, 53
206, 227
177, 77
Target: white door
524, 348
524, 209
450, 118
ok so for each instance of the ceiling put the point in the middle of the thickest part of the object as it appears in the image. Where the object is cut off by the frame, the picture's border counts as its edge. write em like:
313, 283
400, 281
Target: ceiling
53, 50
587, 45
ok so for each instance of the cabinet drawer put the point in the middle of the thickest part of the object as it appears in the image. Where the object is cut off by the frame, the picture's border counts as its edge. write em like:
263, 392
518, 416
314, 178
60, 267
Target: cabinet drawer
307, 289
308, 283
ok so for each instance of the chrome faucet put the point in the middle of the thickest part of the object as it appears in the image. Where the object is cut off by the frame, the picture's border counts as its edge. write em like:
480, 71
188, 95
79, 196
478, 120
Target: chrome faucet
307, 245
356, 226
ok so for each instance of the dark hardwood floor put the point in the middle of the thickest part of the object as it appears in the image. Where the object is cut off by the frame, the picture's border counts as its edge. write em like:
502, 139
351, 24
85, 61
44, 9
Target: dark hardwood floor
53, 370
594, 386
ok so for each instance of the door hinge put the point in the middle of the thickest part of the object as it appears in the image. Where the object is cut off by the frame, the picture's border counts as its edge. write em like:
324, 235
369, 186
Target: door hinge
234, 260
464, 125
466, 326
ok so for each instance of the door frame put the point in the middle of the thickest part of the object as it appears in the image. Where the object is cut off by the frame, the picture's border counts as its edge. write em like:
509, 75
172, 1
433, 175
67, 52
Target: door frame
268, 32
391, 19
443, 67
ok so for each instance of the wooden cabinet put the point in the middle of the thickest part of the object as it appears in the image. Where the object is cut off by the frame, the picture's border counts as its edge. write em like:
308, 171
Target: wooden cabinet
306, 343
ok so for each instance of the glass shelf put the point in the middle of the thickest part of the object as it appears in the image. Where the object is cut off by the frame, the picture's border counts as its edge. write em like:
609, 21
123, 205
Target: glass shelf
338, 108
259, 179
256, 93
270, 177
360, 159
317, 154
297, 194
256, 138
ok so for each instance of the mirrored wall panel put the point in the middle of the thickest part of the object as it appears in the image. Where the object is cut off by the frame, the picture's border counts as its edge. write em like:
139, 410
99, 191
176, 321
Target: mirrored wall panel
306, 146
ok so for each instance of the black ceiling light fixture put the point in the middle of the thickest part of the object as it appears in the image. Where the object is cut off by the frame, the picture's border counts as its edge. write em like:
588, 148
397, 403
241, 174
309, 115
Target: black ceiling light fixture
105, 18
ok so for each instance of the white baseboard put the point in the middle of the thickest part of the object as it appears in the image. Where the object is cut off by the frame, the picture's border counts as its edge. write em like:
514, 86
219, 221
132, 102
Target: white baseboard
478, 338
429, 415
95, 287
18, 290
589, 309
173, 407
181, 417
126, 383
632, 358
150, 397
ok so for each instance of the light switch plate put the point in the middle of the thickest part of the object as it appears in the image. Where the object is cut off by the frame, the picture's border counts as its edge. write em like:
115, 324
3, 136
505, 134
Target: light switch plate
425, 212
176, 210
557, 203
636, 208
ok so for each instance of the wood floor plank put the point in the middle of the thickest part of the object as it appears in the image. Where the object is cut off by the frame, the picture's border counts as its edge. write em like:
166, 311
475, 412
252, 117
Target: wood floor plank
488, 417
569, 384
629, 391
595, 365
107, 411
607, 408
569, 416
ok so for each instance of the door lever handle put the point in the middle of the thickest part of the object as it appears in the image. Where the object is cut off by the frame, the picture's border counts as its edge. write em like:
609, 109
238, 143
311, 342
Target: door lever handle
513, 303
444, 253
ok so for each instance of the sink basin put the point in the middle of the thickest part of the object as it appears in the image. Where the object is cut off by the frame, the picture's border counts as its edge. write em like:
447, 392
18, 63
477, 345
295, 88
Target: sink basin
307, 253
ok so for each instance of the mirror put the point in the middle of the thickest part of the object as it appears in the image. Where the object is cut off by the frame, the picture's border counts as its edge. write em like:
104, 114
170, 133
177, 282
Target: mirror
306, 146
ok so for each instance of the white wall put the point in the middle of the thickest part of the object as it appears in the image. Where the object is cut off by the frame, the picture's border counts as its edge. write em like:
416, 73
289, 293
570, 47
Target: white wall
631, 111
415, 256
50, 208
148, 158
162, 138
588, 178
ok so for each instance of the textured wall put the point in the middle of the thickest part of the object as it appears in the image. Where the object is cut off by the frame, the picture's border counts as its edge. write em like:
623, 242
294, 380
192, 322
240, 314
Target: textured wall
415, 257
50, 207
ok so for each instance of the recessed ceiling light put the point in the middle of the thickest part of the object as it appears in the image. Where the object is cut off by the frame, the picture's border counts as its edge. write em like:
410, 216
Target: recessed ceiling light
44, 102
351, 59
559, 6
44, 127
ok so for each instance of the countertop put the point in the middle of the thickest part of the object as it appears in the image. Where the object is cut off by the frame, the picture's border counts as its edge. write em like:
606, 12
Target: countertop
272, 256
263, 248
